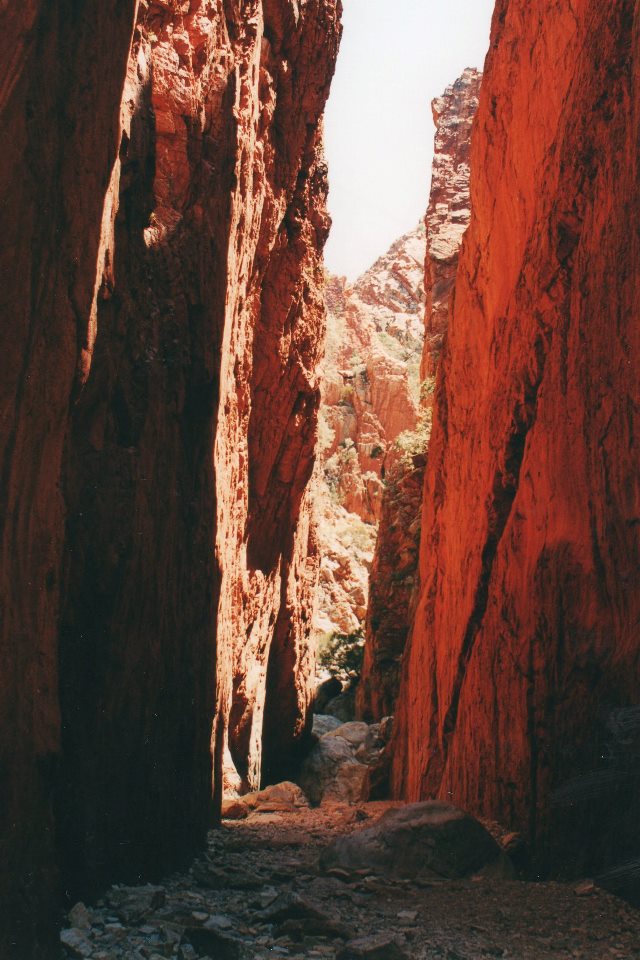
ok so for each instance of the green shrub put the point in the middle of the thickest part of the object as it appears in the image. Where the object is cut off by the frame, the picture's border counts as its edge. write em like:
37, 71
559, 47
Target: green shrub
342, 655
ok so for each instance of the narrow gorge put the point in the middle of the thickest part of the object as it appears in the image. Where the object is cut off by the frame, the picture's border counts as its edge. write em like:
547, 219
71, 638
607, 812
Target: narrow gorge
217, 457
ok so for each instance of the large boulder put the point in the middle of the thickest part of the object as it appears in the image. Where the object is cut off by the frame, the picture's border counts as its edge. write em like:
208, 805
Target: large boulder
421, 840
323, 723
354, 731
343, 706
285, 797
331, 772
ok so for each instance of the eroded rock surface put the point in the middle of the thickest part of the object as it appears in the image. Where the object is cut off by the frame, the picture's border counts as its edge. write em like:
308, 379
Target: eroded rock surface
449, 209
164, 213
60, 88
526, 631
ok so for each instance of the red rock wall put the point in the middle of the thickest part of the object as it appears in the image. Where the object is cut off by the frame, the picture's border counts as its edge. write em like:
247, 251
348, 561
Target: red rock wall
526, 632
60, 87
392, 585
165, 306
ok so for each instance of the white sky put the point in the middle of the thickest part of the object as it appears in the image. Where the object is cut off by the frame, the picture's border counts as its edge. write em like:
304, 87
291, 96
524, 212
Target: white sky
396, 56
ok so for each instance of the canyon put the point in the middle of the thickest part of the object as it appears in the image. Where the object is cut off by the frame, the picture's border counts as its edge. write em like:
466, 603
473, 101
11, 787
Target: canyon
200, 432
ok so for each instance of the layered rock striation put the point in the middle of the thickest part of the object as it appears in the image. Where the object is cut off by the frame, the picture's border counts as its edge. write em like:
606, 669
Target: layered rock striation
163, 198
61, 82
523, 664
392, 583
370, 399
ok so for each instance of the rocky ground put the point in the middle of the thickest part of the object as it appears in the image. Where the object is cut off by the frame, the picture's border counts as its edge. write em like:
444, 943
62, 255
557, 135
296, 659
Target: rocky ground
259, 892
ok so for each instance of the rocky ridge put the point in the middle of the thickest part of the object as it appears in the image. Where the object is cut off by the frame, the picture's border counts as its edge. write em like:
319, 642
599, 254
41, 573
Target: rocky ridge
449, 210
393, 578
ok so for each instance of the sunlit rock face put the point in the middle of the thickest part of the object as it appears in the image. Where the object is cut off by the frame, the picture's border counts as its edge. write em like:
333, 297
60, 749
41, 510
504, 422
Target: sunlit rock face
525, 642
449, 206
163, 195
370, 398
392, 583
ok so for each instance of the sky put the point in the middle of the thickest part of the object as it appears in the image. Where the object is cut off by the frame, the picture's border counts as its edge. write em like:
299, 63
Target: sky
395, 57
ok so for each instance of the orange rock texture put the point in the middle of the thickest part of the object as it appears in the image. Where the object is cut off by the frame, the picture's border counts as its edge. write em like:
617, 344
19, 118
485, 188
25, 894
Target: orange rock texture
370, 398
392, 584
526, 636
163, 195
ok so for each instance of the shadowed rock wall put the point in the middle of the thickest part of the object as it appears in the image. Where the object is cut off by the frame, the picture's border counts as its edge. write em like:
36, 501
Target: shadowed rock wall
161, 294
61, 83
526, 634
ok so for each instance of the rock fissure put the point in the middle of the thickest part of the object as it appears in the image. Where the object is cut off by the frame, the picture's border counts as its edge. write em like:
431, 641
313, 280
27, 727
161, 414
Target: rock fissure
194, 490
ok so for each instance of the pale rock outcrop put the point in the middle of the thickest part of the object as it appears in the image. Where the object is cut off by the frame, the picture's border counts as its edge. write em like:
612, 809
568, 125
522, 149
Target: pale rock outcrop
449, 209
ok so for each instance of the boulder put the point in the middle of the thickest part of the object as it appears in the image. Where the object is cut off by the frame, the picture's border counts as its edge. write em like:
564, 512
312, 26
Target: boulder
76, 943
322, 772
278, 796
133, 903
285, 797
343, 706
299, 916
234, 809
323, 723
420, 840
354, 731
79, 917
349, 784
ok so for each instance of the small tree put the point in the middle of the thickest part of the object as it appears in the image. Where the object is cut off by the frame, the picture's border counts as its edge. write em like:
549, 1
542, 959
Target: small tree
342, 655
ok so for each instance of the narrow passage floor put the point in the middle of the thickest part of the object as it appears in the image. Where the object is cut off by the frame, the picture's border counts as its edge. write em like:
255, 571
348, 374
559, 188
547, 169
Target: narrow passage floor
259, 893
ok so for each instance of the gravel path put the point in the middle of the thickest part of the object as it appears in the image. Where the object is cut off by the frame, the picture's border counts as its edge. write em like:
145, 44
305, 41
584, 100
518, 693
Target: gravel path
258, 894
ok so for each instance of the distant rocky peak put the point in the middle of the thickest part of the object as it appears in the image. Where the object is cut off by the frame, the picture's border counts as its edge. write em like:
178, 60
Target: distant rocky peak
391, 291
449, 213
449, 209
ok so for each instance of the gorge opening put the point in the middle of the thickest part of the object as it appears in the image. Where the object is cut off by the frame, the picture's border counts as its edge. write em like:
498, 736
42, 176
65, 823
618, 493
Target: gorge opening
163, 190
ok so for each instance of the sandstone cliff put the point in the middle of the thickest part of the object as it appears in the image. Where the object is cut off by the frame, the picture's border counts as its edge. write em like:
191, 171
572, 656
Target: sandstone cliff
60, 90
370, 398
160, 392
525, 642
394, 571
